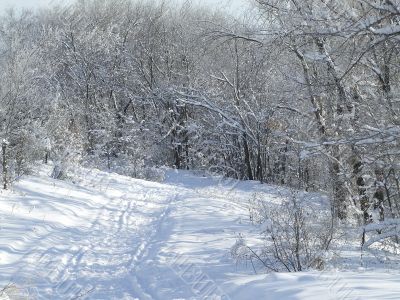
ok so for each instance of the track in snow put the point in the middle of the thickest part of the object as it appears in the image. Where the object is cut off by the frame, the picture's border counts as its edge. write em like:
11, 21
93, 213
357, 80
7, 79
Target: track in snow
112, 237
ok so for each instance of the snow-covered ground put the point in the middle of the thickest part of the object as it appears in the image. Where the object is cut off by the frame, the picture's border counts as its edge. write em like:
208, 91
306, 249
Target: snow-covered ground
106, 236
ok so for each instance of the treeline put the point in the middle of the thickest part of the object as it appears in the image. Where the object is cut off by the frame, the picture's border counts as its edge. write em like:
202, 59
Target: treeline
299, 93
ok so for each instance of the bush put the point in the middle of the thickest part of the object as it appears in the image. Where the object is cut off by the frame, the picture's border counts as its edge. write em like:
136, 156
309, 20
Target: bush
296, 234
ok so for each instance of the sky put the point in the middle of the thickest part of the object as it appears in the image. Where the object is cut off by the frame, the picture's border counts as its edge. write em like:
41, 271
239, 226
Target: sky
4, 4
233, 6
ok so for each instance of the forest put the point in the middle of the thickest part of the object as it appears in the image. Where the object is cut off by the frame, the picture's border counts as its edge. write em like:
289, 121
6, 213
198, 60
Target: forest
303, 94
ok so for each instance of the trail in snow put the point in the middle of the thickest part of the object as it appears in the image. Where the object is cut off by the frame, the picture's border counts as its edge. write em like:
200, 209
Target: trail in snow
61, 240
112, 237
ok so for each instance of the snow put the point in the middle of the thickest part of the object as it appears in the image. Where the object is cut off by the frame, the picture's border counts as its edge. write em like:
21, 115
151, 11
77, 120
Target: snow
317, 285
101, 235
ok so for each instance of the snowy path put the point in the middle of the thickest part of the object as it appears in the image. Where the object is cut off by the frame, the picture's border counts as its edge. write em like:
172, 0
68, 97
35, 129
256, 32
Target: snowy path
113, 237
63, 240
190, 252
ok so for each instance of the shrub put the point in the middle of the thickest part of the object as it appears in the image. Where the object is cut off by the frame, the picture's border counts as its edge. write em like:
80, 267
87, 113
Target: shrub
297, 234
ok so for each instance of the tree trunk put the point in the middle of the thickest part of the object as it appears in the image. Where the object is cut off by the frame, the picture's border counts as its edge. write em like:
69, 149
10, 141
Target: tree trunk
379, 195
247, 158
340, 192
4, 164
362, 191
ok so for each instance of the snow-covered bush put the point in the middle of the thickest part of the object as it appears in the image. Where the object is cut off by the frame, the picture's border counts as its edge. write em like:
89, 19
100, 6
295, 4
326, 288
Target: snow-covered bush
385, 233
10, 291
297, 234
154, 174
